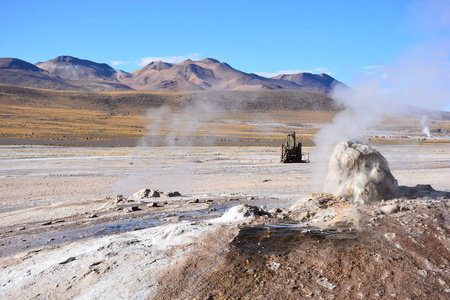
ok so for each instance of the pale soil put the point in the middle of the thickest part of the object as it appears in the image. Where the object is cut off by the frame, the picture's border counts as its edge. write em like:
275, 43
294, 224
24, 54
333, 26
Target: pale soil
185, 260
34, 175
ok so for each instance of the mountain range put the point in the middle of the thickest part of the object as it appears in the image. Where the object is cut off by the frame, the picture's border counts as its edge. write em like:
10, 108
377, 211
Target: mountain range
71, 73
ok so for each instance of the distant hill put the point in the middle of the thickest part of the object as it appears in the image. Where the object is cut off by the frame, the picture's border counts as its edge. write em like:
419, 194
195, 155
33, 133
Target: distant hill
137, 102
315, 82
71, 73
72, 68
205, 74
18, 64
19, 72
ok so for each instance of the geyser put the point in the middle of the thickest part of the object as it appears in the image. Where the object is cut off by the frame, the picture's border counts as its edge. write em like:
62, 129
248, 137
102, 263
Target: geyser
360, 173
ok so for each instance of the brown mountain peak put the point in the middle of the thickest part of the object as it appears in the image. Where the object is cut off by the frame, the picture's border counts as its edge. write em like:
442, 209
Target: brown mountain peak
72, 68
15, 63
209, 60
159, 65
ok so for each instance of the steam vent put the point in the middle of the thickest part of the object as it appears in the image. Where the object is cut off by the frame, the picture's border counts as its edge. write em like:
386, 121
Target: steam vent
359, 172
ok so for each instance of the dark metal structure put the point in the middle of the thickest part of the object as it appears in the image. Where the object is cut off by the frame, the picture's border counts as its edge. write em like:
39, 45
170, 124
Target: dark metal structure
291, 151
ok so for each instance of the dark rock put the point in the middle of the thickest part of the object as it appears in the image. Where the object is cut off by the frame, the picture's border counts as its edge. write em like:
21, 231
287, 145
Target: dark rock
275, 211
172, 194
70, 259
95, 264
422, 190
131, 209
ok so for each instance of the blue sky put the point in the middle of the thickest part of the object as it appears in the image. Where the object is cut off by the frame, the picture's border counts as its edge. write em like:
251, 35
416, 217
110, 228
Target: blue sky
347, 38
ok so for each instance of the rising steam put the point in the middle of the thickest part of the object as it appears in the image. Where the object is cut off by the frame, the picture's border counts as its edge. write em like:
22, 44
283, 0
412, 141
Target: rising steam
425, 128
417, 80
176, 128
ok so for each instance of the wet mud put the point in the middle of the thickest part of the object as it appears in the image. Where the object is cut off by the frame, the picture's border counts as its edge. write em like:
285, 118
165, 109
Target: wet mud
58, 232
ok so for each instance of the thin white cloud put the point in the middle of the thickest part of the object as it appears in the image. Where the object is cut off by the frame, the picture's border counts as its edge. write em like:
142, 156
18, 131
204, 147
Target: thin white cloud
373, 67
374, 70
170, 59
322, 70
289, 72
120, 62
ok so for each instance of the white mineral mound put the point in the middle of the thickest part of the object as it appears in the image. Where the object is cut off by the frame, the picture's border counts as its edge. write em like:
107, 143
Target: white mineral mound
239, 213
95, 268
359, 172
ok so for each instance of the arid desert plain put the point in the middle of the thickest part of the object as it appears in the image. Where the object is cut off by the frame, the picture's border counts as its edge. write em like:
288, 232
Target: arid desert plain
67, 233
225, 150
105, 199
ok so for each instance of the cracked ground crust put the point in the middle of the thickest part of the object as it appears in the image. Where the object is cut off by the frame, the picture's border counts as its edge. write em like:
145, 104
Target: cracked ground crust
369, 263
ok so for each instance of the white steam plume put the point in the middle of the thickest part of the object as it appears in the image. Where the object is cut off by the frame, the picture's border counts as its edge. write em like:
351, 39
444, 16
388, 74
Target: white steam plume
425, 128
361, 112
418, 79
176, 129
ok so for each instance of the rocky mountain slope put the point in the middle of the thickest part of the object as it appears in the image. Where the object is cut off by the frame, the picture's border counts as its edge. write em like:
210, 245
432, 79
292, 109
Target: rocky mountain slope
136, 102
316, 82
71, 73
204, 74
64, 73
18, 72
72, 68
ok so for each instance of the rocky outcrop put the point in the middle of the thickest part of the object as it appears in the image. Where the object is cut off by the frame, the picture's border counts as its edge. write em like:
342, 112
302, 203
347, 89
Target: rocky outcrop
149, 193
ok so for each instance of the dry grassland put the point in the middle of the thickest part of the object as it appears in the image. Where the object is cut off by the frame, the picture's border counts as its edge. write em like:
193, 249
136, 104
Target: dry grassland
30, 115
66, 124
60, 125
